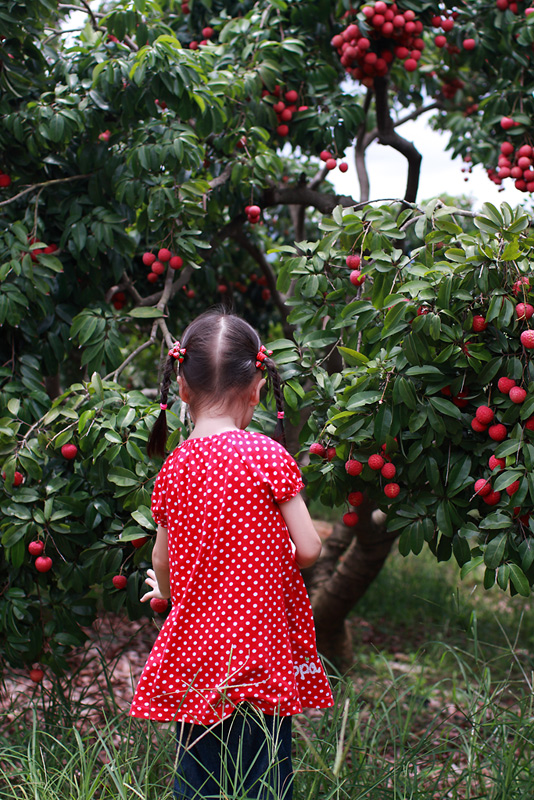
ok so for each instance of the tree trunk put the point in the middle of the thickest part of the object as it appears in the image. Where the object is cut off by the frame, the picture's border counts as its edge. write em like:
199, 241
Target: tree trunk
336, 588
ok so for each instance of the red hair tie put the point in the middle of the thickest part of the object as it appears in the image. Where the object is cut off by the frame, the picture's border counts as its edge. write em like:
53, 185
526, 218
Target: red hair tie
262, 354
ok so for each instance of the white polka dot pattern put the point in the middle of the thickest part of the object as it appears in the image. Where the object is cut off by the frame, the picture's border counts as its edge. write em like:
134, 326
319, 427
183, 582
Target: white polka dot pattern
241, 626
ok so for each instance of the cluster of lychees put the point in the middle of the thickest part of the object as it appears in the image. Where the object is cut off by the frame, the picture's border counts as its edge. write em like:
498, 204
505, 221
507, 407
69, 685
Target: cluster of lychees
354, 262
377, 462
157, 264
515, 163
512, 5
388, 33
285, 108
42, 563
207, 34
330, 161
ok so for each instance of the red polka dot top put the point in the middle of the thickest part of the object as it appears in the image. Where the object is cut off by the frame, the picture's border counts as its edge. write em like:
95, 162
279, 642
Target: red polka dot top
241, 627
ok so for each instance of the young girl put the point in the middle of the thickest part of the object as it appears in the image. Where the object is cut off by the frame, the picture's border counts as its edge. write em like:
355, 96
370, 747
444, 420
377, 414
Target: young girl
236, 657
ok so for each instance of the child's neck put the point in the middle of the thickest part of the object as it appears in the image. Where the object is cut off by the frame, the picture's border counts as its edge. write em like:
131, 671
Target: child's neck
207, 425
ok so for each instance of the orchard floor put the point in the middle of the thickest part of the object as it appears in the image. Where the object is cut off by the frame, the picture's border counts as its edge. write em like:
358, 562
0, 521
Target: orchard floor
442, 678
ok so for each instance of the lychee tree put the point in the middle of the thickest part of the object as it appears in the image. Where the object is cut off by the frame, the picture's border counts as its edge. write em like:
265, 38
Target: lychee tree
430, 416
155, 162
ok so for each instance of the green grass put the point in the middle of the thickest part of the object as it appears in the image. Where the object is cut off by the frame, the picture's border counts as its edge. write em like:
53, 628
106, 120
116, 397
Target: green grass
438, 706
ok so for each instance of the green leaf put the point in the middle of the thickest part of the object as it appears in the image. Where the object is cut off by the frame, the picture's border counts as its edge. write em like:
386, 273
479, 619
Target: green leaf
145, 312
494, 551
519, 580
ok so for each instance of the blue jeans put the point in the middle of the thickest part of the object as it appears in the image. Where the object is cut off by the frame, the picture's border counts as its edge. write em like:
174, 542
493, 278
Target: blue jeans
248, 755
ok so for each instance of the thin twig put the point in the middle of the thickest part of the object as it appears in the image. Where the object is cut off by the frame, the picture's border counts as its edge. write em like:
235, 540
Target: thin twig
44, 184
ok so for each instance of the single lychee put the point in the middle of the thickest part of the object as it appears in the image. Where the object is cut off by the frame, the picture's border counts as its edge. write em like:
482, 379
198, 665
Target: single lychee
353, 467
375, 461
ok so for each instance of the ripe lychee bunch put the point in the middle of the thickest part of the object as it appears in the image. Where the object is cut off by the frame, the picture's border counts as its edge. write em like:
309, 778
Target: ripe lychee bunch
330, 162
253, 213
517, 164
512, 5
367, 52
157, 264
118, 300
285, 107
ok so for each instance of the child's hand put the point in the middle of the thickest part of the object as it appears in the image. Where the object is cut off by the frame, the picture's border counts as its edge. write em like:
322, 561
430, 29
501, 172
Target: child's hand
153, 583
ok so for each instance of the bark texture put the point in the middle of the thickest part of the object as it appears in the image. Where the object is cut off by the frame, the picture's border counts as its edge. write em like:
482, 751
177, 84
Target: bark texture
351, 560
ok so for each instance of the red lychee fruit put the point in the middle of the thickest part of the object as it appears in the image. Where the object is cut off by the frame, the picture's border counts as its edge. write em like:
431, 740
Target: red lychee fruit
388, 471
482, 487
353, 467
36, 547
375, 461
505, 384
69, 451
43, 563
484, 414
159, 605
497, 432
517, 394
317, 449
355, 498
119, 581
391, 490
350, 519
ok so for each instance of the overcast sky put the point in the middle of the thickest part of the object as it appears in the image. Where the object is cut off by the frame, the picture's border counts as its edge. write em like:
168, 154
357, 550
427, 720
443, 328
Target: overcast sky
439, 172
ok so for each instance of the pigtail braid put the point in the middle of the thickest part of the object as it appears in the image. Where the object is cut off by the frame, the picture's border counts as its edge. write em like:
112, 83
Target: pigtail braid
279, 434
158, 434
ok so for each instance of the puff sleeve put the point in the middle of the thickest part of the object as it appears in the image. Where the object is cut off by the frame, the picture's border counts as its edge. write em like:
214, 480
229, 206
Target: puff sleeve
279, 470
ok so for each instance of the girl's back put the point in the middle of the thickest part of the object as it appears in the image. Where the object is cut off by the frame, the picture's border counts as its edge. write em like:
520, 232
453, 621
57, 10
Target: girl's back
241, 627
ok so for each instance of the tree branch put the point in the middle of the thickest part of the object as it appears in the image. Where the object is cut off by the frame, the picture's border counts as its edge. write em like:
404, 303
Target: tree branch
388, 136
86, 7
302, 195
43, 184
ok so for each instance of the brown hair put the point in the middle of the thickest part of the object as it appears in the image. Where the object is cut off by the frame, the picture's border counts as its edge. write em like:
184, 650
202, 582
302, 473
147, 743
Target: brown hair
220, 362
